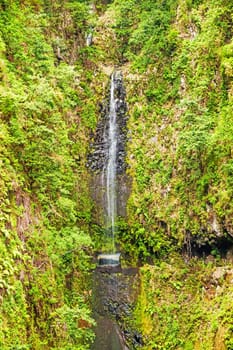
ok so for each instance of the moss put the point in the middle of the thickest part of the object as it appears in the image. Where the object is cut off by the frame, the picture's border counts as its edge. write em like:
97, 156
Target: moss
179, 98
45, 203
179, 302
176, 57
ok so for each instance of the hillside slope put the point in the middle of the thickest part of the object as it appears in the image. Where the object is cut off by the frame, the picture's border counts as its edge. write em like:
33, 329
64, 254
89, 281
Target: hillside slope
47, 112
177, 59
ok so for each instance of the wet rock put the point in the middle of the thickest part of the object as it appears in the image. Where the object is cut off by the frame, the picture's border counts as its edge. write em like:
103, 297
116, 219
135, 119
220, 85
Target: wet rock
98, 152
115, 294
109, 260
98, 157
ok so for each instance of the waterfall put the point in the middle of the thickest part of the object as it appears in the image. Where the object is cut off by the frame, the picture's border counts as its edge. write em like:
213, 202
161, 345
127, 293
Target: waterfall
110, 168
107, 162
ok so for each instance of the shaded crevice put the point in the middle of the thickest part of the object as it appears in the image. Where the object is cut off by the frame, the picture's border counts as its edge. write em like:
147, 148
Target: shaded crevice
202, 247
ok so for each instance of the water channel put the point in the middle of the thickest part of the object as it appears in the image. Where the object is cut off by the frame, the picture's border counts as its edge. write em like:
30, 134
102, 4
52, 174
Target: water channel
114, 288
115, 293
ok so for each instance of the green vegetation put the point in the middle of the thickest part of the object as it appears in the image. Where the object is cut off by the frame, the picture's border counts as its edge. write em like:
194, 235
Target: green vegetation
185, 306
177, 61
47, 110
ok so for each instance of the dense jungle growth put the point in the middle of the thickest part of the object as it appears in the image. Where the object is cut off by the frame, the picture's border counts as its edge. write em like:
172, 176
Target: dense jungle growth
177, 61
47, 109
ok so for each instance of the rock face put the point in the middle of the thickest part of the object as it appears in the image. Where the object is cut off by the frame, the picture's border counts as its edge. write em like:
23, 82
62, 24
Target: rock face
99, 152
99, 146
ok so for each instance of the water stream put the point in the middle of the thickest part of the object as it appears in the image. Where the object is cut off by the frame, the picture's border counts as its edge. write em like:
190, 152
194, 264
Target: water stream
112, 289
115, 292
109, 179
110, 184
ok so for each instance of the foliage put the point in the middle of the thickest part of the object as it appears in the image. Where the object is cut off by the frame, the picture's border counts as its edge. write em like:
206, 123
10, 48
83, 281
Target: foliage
44, 201
179, 300
77, 322
179, 91
178, 73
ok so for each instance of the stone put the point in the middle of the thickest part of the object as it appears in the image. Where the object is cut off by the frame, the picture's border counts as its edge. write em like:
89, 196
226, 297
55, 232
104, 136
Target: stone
219, 273
229, 255
97, 157
229, 276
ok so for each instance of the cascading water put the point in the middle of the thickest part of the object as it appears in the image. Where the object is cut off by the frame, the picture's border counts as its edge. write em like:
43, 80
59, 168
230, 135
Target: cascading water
113, 286
106, 160
109, 180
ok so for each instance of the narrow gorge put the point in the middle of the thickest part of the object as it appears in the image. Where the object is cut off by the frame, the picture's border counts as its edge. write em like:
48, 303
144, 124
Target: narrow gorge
116, 200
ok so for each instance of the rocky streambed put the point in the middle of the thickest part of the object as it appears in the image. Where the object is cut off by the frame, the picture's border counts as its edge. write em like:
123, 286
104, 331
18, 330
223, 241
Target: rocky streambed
115, 291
